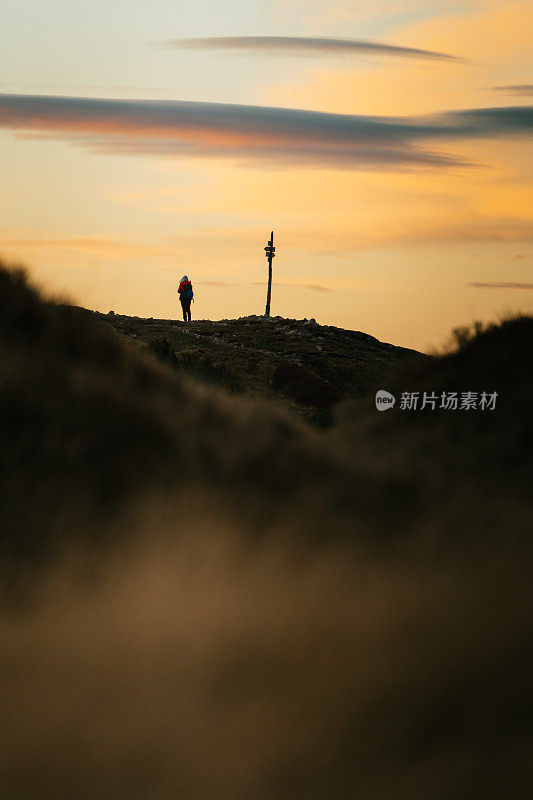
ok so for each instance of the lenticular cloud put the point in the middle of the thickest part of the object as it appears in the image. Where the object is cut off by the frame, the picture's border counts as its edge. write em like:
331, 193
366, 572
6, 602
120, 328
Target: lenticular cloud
313, 46
253, 133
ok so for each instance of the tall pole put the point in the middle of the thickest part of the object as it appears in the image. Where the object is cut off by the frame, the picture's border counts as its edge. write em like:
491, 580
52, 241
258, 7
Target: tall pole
270, 252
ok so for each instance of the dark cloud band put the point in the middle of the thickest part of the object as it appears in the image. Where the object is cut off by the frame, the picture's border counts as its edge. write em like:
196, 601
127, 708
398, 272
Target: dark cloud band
495, 285
278, 135
523, 89
304, 46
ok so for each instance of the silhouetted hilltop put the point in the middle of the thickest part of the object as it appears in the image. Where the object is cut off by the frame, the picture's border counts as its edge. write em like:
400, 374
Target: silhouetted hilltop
310, 366
91, 423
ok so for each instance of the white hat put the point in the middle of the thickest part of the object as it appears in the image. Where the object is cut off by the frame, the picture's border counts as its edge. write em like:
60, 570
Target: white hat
185, 278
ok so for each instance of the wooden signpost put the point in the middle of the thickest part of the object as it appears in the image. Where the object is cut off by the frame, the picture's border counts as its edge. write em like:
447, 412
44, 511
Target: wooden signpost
270, 252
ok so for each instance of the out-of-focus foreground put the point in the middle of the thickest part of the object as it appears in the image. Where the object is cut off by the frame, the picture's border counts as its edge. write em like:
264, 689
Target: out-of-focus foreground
207, 598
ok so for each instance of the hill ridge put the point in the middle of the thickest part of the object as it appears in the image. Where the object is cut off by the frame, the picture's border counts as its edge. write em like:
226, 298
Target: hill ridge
300, 362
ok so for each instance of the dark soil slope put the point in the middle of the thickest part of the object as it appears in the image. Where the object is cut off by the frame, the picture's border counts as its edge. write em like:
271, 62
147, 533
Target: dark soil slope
310, 366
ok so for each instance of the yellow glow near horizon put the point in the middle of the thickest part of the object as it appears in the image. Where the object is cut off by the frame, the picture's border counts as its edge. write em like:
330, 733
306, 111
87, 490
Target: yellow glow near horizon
391, 250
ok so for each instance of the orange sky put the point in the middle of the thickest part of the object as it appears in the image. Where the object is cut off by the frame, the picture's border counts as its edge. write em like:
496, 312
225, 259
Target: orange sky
378, 230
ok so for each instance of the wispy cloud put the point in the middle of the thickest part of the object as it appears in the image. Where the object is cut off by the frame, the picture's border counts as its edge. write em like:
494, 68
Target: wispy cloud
418, 232
496, 285
104, 247
218, 284
250, 133
304, 46
522, 89
481, 229
96, 87
477, 122
313, 287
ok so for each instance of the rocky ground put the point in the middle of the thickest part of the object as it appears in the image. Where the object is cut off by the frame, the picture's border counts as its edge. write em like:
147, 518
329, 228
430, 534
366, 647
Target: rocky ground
308, 366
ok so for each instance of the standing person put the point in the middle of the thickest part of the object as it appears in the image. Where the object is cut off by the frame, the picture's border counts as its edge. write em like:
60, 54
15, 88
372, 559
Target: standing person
186, 295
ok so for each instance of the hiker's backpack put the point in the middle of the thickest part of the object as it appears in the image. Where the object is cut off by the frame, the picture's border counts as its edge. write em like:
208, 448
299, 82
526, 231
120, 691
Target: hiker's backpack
188, 293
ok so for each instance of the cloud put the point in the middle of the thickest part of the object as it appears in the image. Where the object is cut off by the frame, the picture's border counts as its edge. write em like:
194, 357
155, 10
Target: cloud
282, 136
217, 284
97, 87
481, 229
514, 257
414, 231
478, 122
313, 287
102, 247
515, 88
304, 46
495, 285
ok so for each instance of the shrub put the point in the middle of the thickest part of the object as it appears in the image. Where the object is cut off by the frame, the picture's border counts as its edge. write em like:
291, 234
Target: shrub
161, 349
304, 386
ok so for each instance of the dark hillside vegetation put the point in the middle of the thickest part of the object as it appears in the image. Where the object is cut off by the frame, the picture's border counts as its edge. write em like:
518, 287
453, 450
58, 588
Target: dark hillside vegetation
308, 366
207, 597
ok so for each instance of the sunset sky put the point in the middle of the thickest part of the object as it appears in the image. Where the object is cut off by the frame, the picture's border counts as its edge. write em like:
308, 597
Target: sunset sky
387, 143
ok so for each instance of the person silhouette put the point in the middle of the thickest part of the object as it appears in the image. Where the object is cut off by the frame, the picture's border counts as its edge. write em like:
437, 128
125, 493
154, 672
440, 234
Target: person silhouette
186, 295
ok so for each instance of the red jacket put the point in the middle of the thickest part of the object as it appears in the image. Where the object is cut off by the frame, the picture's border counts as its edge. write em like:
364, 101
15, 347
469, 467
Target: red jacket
183, 286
